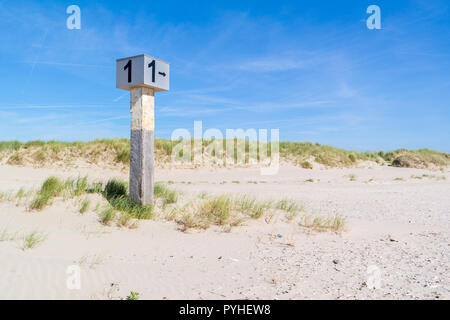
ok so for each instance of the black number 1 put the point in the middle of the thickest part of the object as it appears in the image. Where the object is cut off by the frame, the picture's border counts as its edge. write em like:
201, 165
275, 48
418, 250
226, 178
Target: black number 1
152, 65
128, 66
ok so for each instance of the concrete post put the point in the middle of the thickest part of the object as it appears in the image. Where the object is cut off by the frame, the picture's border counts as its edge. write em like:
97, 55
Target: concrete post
142, 108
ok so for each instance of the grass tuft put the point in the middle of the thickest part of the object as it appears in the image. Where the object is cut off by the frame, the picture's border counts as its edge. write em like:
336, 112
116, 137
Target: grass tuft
7, 236
167, 195
288, 205
16, 159
125, 205
115, 189
124, 220
85, 205
317, 223
133, 296
123, 156
78, 187
306, 165
192, 221
251, 207
216, 210
115, 192
51, 188
33, 239
107, 216
223, 210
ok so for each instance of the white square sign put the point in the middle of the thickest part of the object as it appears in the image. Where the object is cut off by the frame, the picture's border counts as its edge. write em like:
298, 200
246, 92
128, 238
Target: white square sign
142, 71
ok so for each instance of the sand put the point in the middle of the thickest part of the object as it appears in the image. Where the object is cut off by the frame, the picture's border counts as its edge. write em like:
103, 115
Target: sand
397, 226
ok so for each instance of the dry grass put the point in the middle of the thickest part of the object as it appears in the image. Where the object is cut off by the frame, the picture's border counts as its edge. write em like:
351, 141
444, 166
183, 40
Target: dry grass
15, 159
85, 204
422, 158
250, 206
216, 210
306, 165
168, 196
227, 212
199, 212
429, 176
5, 235
335, 223
126, 220
91, 261
6, 196
289, 205
33, 239
107, 216
114, 152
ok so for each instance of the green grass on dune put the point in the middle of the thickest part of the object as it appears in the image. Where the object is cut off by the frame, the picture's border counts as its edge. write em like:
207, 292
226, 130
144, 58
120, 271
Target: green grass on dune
201, 212
117, 151
417, 158
115, 192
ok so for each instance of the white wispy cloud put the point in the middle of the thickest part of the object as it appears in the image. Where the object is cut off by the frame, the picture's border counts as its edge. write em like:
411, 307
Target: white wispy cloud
43, 120
67, 64
272, 64
121, 96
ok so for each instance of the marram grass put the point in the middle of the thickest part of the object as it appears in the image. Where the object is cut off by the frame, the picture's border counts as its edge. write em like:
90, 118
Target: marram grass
117, 152
201, 212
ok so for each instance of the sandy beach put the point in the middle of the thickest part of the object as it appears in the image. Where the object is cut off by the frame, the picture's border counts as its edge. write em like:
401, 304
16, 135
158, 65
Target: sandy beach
397, 221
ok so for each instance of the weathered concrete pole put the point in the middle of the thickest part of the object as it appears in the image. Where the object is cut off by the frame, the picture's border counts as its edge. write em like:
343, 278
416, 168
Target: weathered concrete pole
142, 108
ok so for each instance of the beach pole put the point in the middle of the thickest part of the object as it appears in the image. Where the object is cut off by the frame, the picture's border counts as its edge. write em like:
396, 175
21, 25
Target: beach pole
143, 76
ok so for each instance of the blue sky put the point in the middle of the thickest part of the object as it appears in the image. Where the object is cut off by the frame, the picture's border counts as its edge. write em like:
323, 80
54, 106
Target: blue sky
311, 69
